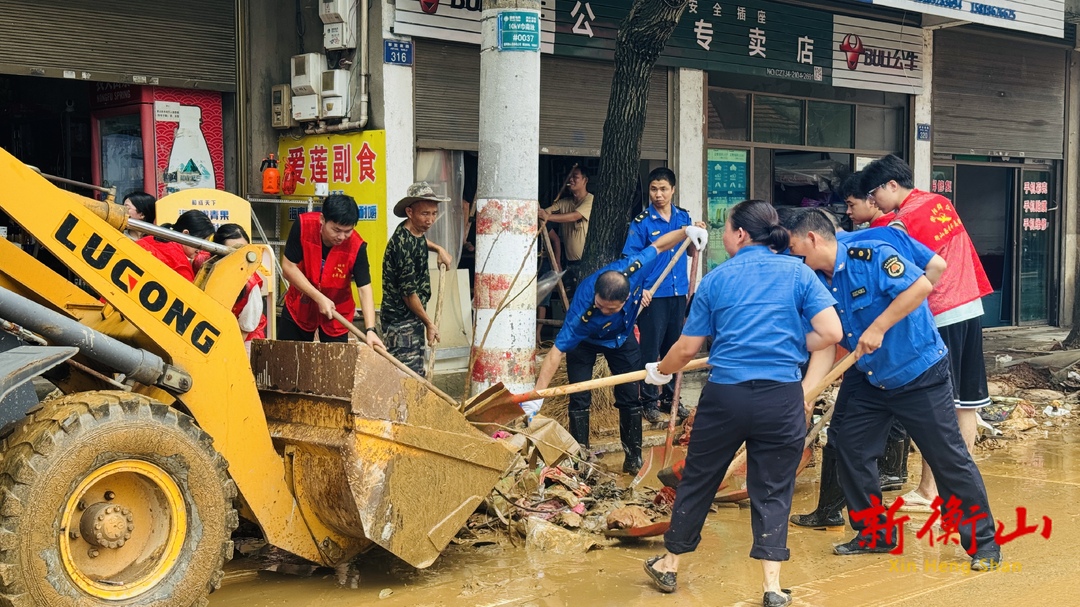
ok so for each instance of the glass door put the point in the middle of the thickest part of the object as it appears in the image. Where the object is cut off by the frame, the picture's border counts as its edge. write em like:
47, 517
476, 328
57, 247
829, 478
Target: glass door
1034, 246
122, 159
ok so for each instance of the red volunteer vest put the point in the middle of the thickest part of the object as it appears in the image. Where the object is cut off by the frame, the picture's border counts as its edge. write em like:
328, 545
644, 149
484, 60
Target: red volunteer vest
883, 220
332, 278
169, 252
932, 220
241, 303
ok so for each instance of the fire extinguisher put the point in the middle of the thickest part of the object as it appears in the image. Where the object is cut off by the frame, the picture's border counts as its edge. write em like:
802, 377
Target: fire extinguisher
288, 180
270, 176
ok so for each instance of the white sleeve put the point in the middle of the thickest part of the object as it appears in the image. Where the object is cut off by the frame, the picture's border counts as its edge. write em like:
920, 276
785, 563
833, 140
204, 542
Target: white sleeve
251, 314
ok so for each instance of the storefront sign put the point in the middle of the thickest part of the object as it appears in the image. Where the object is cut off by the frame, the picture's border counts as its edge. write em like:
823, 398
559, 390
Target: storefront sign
755, 37
353, 164
220, 207
922, 132
519, 31
459, 20
398, 52
875, 55
1046, 17
728, 185
1036, 206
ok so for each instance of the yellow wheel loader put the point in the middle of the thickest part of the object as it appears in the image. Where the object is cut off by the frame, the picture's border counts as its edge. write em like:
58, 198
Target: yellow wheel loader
125, 490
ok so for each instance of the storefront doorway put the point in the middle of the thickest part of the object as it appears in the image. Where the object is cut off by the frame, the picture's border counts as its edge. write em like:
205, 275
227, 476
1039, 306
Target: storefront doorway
1010, 213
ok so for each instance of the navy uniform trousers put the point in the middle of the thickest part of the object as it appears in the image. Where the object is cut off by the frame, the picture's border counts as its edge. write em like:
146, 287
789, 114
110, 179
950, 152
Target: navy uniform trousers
924, 406
661, 325
768, 416
624, 359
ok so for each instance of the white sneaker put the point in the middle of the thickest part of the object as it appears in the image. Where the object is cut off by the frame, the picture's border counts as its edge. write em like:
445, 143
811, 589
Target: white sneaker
913, 502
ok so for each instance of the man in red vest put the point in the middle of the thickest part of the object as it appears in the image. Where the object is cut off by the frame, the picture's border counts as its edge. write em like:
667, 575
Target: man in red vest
323, 255
955, 302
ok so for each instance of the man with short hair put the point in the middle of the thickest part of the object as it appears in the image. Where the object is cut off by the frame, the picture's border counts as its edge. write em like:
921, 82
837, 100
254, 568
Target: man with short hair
572, 214
860, 208
956, 301
901, 372
406, 281
601, 321
323, 254
660, 322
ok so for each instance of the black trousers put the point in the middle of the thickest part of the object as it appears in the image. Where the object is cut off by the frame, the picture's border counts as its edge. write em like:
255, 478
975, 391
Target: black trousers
768, 416
288, 330
660, 325
624, 359
924, 406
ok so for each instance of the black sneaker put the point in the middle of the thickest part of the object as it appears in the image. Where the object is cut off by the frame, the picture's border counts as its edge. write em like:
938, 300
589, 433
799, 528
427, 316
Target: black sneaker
856, 546
986, 560
652, 414
777, 599
666, 581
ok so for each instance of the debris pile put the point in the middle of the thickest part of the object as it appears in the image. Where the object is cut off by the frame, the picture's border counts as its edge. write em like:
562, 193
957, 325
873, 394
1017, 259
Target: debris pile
557, 499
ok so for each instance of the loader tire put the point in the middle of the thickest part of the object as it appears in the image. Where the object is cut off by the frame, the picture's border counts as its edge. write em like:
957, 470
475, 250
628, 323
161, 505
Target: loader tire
109, 498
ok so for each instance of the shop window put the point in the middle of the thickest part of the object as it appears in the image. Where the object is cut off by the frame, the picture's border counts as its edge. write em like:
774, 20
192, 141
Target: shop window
829, 124
878, 128
728, 116
778, 120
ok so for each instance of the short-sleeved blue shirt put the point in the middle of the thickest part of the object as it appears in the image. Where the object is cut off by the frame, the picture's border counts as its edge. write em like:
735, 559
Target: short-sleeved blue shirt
906, 246
867, 277
584, 322
645, 229
755, 306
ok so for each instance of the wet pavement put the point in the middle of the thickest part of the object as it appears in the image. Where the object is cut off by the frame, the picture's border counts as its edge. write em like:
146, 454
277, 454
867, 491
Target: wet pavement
1041, 474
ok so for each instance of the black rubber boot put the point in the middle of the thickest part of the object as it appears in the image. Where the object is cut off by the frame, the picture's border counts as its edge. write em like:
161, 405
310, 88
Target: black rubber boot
892, 468
830, 496
579, 427
630, 434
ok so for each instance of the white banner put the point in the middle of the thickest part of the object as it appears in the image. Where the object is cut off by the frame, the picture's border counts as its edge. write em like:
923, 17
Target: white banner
877, 56
459, 20
1046, 17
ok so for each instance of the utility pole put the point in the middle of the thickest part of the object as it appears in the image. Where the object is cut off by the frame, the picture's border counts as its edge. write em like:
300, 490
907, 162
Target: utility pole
504, 347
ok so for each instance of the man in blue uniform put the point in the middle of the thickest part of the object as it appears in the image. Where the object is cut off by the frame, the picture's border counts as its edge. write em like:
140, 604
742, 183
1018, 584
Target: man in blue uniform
601, 321
660, 322
904, 373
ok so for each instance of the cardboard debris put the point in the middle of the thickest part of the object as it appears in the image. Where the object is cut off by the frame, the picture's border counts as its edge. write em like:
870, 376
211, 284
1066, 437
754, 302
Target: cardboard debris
551, 440
546, 537
628, 516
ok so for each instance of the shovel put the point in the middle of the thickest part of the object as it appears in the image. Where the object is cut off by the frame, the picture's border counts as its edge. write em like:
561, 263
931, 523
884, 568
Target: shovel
660, 457
737, 467
438, 318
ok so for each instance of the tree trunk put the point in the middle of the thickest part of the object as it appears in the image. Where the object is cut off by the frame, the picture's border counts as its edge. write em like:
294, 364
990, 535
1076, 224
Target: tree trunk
641, 38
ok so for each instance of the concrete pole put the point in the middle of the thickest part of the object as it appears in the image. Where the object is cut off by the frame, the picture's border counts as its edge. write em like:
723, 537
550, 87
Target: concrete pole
504, 340
922, 162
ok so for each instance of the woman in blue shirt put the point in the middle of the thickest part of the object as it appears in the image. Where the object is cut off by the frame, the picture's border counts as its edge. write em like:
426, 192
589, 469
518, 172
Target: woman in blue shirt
755, 307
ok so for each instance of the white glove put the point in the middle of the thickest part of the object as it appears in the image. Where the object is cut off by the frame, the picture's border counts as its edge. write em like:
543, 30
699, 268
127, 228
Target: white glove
531, 407
653, 375
698, 236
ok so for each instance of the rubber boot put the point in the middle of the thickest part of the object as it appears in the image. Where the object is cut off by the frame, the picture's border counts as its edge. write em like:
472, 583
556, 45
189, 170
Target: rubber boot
671, 477
579, 429
830, 496
892, 468
630, 434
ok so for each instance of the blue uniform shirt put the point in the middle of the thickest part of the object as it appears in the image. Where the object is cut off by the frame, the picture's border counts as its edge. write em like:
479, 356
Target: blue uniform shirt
866, 279
906, 246
584, 322
754, 306
645, 229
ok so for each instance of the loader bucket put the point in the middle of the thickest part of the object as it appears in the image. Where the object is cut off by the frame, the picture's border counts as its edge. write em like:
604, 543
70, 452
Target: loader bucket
372, 453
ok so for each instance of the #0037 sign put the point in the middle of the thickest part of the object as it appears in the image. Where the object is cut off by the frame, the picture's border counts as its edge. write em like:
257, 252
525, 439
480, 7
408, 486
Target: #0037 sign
519, 31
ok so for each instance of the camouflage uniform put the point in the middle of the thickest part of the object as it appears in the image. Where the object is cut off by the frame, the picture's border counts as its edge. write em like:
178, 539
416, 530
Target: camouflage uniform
405, 272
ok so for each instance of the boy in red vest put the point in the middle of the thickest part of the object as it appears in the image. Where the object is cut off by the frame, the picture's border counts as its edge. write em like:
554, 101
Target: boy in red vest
323, 255
956, 301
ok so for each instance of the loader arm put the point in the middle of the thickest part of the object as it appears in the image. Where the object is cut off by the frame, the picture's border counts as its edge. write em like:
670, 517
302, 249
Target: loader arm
194, 330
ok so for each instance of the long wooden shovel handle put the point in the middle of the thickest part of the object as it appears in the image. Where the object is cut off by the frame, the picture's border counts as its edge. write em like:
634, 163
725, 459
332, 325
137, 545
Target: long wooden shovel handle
554, 264
603, 382
430, 371
397, 363
673, 417
670, 266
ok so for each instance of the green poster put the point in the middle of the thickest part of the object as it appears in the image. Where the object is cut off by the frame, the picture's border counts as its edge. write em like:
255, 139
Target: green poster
728, 185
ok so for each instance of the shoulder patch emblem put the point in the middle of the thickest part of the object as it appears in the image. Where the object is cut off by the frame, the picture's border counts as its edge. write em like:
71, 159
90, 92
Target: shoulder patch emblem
860, 253
641, 216
634, 267
858, 292
894, 268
